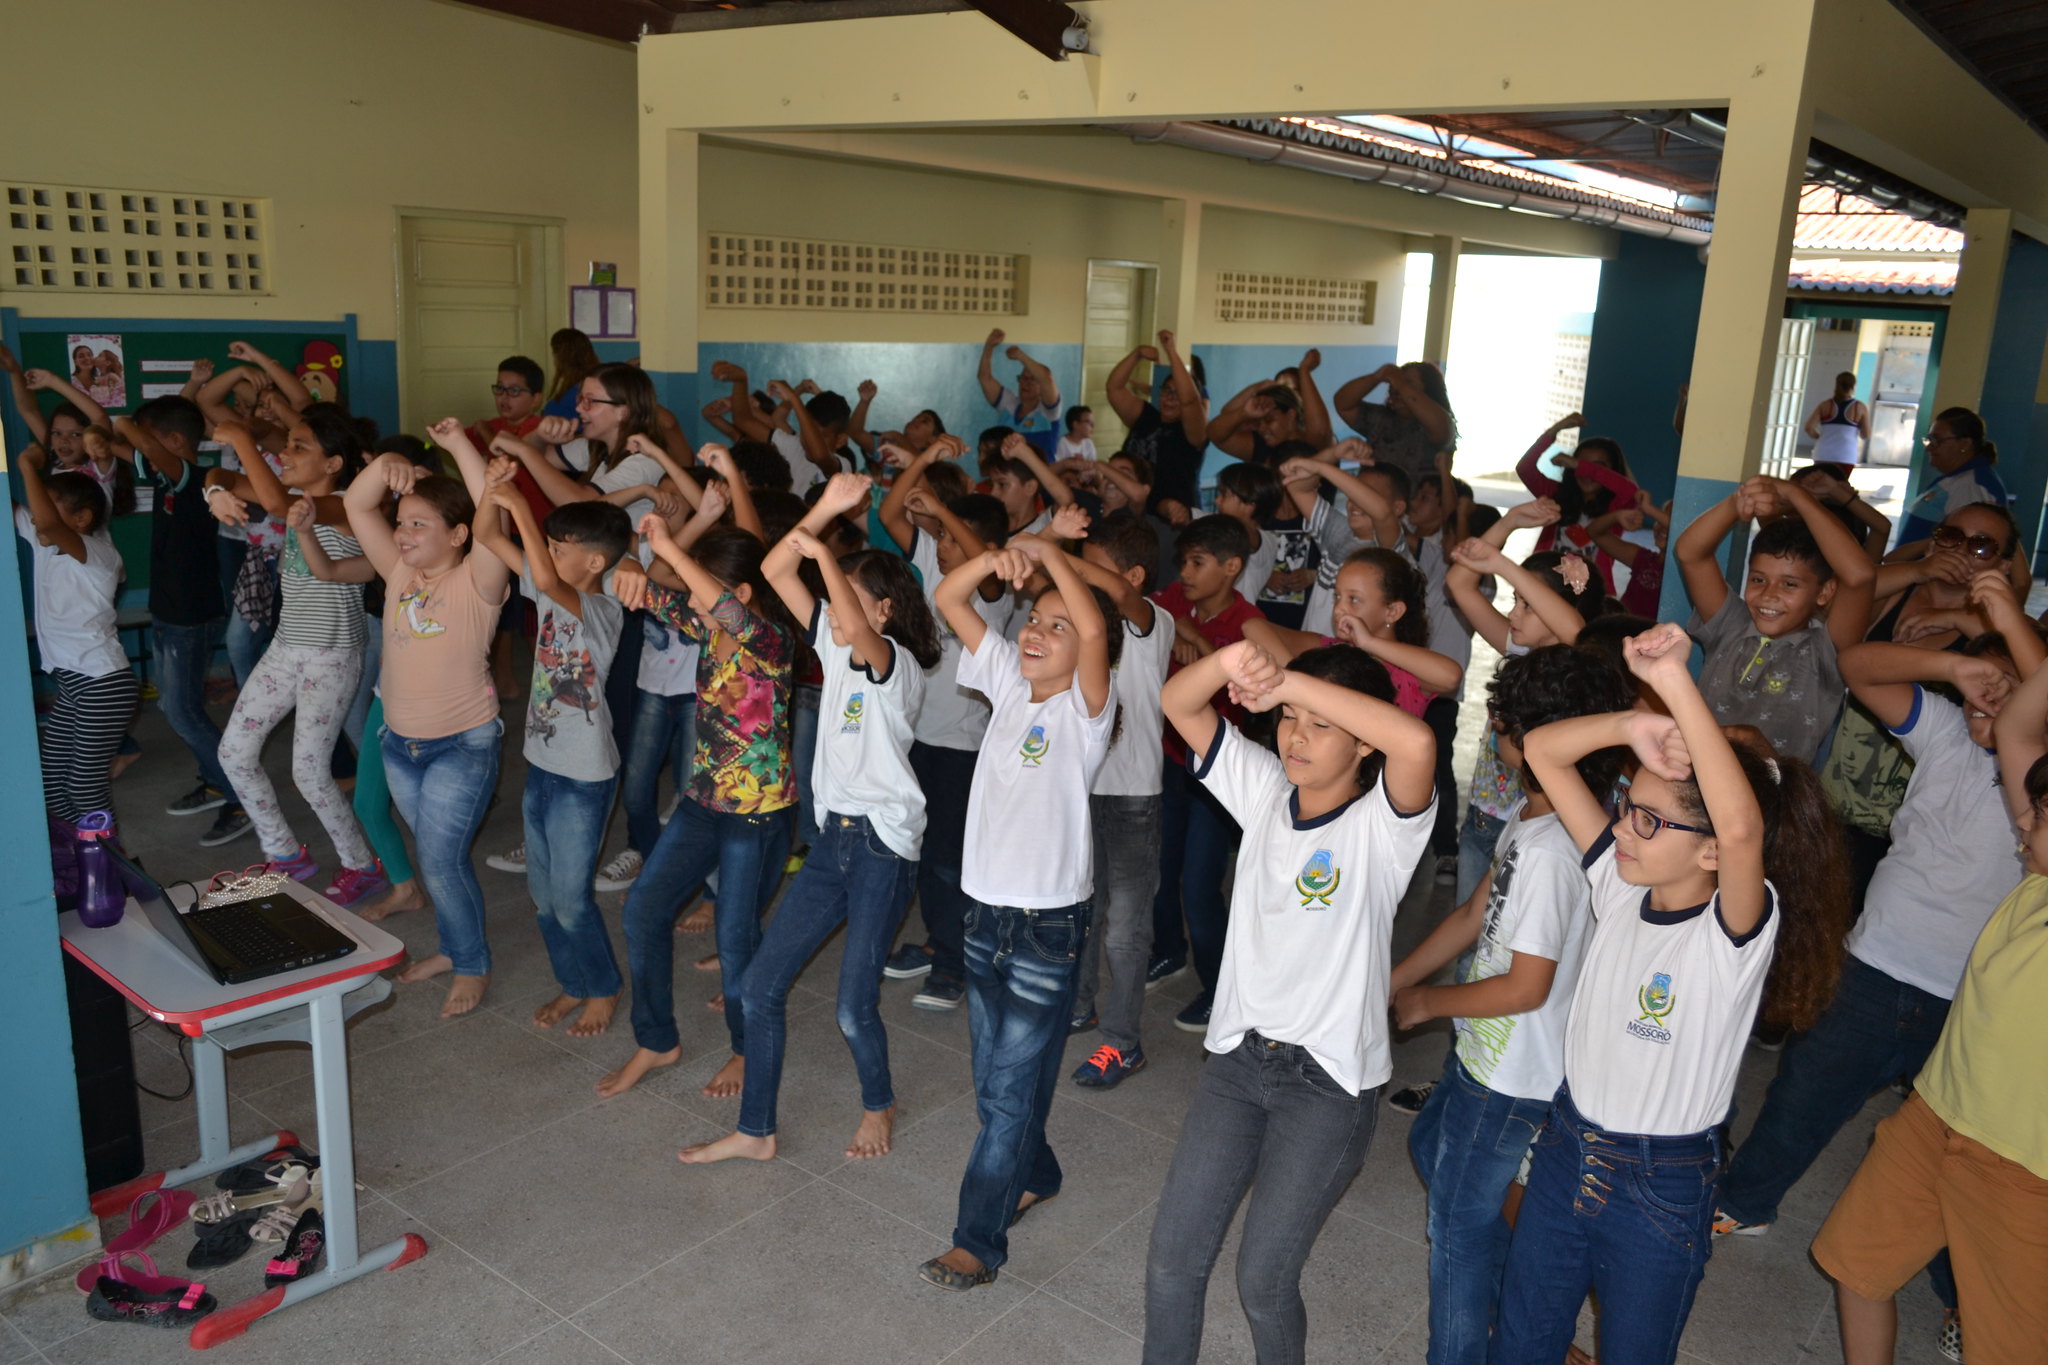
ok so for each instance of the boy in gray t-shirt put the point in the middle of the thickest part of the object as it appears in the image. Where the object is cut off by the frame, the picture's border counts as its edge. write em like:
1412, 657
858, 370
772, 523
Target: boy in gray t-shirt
1770, 655
572, 761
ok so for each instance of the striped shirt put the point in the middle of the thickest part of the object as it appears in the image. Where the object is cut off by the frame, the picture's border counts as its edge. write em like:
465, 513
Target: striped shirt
316, 614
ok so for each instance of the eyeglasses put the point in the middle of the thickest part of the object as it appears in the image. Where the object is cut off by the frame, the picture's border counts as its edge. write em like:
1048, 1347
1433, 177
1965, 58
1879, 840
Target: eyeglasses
586, 401
1978, 546
1646, 824
510, 390
1930, 439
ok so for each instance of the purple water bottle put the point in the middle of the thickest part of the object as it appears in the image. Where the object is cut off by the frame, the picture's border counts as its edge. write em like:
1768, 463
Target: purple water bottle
101, 896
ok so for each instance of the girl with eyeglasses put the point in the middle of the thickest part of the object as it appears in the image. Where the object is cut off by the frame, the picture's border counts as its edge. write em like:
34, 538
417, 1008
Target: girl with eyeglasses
1723, 869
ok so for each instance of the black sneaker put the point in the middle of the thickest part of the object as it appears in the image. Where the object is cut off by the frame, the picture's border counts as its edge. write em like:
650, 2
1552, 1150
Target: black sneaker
1410, 1099
1447, 869
233, 823
200, 798
939, 993
1081, 1023
1195, 1018
907, 963
1162, 970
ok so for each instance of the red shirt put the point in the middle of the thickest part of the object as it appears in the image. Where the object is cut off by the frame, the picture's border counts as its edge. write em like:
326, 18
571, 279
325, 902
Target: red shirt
481, 435
1225, 627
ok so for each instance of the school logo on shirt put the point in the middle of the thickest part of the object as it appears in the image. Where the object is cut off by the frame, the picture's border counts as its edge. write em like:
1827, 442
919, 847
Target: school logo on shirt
1656, 1001
849, 719
1036, 746
1318, 880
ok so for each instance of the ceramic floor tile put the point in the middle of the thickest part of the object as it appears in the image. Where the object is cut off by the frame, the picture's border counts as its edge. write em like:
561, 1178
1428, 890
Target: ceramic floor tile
821, 1279
47, 1310
14, 1347
1758, 1301
563, 1345
1044, 1330
568, 1229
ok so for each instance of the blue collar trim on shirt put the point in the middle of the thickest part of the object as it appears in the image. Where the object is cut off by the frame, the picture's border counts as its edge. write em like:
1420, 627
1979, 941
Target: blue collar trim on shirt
1294, 810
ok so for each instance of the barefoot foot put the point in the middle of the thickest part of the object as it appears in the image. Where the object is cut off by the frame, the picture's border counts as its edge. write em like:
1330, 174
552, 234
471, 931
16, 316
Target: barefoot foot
871, 1139
727, 1148
716, 1004
729, 1081
121, 763
596, 1017
406, 895
426, 968
465, 993
556, 1010
639, 1064
699, 920
706, 963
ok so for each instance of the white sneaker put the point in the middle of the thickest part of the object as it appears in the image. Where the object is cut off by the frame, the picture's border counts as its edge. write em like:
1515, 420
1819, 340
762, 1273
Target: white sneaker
515, 861
618, 874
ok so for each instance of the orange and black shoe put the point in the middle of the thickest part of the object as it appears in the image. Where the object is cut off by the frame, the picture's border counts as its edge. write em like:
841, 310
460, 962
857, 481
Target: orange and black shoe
1108, 1066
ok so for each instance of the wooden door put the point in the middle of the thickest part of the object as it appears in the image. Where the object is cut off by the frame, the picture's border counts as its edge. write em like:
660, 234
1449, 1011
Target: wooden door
471, 291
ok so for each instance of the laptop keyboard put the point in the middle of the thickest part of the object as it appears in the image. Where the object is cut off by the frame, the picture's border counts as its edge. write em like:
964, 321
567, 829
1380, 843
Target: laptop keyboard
248, 936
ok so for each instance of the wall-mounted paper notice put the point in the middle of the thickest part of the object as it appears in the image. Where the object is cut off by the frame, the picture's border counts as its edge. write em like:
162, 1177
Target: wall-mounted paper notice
150, 391
168, 366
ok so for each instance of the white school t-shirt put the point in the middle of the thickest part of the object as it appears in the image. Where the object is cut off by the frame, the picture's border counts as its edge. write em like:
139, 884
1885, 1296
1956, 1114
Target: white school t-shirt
1258, 567
790, 446
1663, 1008
75, 604
1135, 760
634, 469
1029, 842
952, 717
1953, 858
864, 727
1306, 959
1538, 905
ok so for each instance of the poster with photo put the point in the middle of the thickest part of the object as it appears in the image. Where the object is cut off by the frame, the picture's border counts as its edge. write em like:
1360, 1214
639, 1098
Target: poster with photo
98, 368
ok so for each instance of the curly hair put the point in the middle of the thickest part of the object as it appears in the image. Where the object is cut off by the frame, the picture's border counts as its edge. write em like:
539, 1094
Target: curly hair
888, 578
1400, 582
1560, 682
1807, 859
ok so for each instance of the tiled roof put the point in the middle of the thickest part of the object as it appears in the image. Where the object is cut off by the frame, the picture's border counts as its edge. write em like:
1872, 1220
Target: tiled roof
1832, 221
1875, 277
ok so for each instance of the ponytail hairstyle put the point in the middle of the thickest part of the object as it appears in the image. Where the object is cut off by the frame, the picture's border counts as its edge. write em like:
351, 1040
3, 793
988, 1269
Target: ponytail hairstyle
733, 557
1575, 503
1970, 427
575, 361
1359, 671
1807, 861
1845, 388
1400, 582
1590, 601
627, 384
888, 578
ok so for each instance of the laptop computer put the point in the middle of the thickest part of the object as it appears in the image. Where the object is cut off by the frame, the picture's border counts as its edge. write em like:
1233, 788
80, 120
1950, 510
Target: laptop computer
243, 940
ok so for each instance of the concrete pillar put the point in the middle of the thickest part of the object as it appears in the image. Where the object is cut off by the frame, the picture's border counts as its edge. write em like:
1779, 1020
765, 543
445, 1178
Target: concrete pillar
1180, 259
1973, 309
671, 251
1443, 285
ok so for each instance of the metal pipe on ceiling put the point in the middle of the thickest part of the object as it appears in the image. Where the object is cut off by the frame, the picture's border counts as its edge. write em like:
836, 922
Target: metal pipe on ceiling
1210, 137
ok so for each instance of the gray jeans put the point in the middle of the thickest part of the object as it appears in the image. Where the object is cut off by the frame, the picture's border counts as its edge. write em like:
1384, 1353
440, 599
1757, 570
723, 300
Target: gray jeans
1126, 832
1265, 1116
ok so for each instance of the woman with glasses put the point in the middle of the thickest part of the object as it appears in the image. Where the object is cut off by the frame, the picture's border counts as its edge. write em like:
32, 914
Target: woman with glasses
1966, 461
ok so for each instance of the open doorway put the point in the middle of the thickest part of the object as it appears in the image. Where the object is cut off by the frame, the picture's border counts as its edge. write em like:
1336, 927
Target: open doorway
1118, 317
472, 289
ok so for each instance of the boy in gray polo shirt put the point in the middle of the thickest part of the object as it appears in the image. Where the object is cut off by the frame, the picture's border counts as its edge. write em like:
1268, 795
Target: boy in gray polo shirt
1770, 654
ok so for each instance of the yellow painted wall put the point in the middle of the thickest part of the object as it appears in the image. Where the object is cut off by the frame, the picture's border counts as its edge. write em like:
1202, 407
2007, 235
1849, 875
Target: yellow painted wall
338, 112
1265, 243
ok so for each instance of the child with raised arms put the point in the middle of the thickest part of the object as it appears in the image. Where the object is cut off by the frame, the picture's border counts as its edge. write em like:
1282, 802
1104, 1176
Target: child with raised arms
1380, 607
1724, 867
1335, 819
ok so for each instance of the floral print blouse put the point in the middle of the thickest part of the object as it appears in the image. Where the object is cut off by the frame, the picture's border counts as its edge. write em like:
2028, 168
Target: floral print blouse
741, 766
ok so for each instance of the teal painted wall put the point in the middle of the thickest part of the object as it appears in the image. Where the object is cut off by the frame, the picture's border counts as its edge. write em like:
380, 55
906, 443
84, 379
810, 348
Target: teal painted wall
1690, 497
2012, 379
1643, 332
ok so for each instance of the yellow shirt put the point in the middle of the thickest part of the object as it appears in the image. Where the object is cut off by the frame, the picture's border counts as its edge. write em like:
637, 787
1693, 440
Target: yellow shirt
1988, 1075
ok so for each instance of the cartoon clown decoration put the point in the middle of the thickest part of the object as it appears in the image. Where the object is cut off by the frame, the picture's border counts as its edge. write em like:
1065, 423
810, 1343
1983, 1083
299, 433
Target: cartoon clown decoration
319, 368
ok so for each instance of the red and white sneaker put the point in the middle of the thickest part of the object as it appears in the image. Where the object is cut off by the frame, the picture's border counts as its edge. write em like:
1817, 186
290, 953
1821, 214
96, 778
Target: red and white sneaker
300, 867
354, 885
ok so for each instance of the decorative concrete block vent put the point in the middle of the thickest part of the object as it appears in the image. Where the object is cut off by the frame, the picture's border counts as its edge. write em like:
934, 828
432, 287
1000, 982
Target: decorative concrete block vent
80, 239
860, 277
1242, 297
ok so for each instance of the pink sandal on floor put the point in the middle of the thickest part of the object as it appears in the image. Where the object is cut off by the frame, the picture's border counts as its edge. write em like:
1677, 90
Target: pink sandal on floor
123, 1293
144, 1227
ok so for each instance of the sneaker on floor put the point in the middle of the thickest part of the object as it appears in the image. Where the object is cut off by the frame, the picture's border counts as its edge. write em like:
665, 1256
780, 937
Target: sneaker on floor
200, 798
1770, 1037
939, 993
1950, 1342
1725, 1225
300, 867
618, 874
1410, 1099
1080, 1023
1162, 970
515, 861
231, 825
1447, 869
1108, 1066
910, 961
354, 885
1195, 1018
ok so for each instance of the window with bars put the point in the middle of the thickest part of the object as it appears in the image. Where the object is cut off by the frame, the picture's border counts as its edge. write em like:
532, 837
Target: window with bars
77, 239
1242, 297
861, 277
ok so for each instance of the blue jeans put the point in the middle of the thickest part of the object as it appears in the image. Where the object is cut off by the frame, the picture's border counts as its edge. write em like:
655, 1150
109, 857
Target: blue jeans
565, 822
664, 731
803, 752
1265, 1117
1020, 994
850, 877
747, 852
945, 776
1197, 837
443, 787
366, 690
622, 682
1476, 838
182, 654
1627, 1216
1468, 1142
